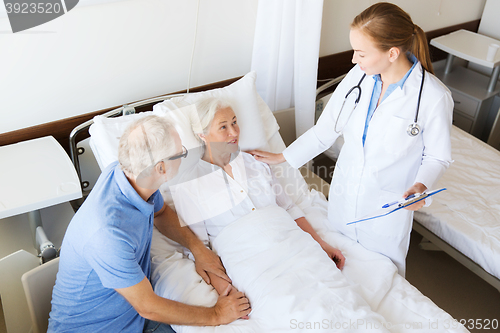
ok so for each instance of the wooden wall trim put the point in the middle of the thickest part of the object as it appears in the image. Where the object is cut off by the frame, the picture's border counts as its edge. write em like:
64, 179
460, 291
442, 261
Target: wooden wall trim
60, 129
330, 66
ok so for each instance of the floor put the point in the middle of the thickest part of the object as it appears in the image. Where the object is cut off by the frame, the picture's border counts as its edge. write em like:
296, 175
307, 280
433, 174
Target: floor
451, 286
438, 276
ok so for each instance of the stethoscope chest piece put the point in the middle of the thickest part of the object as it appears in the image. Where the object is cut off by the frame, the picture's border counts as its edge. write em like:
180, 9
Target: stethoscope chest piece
413, 129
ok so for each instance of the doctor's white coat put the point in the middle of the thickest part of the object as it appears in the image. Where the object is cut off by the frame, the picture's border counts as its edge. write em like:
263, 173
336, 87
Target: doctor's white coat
365, 178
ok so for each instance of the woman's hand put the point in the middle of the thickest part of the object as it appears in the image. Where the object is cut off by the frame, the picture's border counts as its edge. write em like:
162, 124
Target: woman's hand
416, 188
267, 157
334, 254
206, 261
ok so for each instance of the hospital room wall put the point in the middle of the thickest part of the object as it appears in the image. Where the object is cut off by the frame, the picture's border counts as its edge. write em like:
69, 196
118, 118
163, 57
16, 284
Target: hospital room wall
97, 57
428, 14
100, 56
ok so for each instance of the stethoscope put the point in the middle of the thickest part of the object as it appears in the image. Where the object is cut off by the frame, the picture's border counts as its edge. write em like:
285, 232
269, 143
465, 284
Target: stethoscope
413, 129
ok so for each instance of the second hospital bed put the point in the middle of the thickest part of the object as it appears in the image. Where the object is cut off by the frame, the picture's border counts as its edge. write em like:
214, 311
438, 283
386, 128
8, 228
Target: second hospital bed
372, 275
466, 221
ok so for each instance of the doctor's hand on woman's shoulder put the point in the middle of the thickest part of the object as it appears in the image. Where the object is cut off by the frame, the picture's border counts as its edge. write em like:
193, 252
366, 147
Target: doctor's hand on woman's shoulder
267, 157
416, 188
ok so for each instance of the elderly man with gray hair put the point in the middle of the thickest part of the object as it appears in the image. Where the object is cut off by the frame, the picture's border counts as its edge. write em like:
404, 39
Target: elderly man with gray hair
103, 279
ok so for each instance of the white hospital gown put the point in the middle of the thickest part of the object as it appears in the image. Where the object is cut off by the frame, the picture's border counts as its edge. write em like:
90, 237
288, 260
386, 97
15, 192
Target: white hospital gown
210, 199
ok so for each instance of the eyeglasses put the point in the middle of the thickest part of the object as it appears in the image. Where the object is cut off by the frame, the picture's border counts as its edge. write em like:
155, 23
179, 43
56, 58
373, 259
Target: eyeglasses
184, 154
171, 158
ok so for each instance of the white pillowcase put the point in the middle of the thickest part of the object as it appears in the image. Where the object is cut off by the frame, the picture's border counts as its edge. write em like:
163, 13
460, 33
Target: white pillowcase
105, 135
256, 121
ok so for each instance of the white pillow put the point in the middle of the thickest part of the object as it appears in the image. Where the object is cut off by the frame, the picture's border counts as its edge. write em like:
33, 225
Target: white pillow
256, 121
105, 134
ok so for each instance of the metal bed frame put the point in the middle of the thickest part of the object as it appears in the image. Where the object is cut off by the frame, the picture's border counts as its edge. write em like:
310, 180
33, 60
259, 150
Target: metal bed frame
454, 253
121, 111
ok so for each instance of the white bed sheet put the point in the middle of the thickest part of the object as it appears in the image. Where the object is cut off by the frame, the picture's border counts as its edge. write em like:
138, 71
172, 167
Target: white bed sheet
467, 215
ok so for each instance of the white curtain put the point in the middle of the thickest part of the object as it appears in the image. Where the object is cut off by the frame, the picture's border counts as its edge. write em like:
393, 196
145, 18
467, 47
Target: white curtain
285, 56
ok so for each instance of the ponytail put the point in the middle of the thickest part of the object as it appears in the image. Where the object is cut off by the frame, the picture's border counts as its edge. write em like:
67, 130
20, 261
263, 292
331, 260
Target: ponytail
420, 49
390, 26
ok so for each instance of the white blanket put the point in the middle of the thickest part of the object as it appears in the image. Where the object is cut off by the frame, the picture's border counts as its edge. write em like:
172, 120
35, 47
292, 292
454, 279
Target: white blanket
289, 280
291, 283
287, 277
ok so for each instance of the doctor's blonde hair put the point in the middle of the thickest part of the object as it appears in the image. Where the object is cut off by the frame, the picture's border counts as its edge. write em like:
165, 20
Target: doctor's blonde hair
144, 143
390, 26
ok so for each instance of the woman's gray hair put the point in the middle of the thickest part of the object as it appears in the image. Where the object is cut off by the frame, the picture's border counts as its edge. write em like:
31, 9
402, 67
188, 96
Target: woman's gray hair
144, 143
206, 110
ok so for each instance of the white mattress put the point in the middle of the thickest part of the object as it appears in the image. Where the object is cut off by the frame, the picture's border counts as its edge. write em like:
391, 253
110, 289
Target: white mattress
467, 216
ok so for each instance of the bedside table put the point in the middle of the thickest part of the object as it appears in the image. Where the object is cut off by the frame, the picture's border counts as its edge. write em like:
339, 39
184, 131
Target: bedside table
34, 174
472, 92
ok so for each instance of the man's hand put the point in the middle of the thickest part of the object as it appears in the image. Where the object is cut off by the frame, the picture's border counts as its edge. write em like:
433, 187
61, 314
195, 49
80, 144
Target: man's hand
235, 291
221, 285
168, 224
334, 254
416, 188
231, 306
206, 261
267, 157
153, 307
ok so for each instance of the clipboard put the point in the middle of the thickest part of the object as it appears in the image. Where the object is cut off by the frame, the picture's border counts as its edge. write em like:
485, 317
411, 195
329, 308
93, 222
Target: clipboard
397, 205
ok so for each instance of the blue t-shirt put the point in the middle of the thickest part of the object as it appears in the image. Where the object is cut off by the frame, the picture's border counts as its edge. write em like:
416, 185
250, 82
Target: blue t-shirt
106, 246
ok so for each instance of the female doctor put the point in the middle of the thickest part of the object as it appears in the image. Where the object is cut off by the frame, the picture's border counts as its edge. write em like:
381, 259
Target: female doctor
397, 137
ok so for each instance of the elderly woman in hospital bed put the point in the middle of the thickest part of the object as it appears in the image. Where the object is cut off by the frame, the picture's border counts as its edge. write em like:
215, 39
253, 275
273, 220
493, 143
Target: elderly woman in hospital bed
228, 184
234, 204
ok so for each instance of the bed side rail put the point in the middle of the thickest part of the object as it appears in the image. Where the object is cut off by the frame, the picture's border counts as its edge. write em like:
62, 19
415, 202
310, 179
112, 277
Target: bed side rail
329, 84
124, 110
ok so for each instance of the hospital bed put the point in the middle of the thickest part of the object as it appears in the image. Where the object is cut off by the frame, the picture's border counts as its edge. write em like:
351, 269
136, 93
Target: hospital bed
372, 275
464, 221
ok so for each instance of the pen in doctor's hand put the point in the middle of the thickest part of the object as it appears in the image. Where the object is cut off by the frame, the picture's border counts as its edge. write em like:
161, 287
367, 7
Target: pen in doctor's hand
415, 188
411, 196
